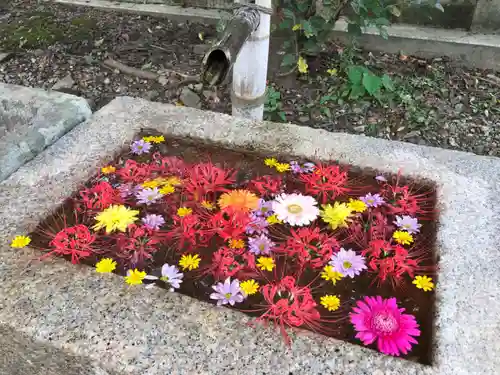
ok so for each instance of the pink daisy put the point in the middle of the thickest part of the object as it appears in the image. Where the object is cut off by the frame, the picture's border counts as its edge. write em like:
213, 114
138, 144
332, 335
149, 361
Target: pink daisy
376, 318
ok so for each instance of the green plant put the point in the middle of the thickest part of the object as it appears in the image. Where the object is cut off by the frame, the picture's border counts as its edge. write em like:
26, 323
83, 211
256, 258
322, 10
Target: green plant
273, 106
362, 81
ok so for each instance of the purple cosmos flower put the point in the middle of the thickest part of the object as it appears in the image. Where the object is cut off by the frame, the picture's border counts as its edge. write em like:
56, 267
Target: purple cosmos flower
169, 275
140, 147
372, 200
381, 178
305, 168
260, 245
227, 292
258, 225
308, 167
265, 208
148, 196
152, 221
348, 263
295, 167
408, 223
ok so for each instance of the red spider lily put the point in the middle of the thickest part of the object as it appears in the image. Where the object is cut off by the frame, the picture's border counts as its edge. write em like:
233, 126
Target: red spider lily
75, 241
168, 165
189, 232
367, 227
230, 224
266, 185
133, 171
327, 182
310, 246
205, 179
100, 196
137, 245
228, 262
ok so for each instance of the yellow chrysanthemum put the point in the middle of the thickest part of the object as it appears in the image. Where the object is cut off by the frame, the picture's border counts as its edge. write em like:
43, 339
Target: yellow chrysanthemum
270, 162
135, 277
302, 65
20, 241
115, 217
108, 169
154, 139
236, 244
208, 205
357, 205
329, 274
184, 211
151, 184
266, 263
423, 282
249, 287
105, 265
273, 219
167, 189
331, 303
296, 27
282, 167
190, 261
173, 180
402, 237
240, 200
336, 215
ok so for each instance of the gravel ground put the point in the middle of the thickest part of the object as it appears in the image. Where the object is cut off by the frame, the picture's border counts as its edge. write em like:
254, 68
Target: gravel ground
63, 48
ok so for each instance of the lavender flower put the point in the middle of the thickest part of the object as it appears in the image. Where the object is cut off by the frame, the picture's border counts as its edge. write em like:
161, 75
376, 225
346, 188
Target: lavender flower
381, 178
265, 208
148, 196
227, 292
258, 225
408, 223
153, 221
348, 263
260, 245
140, 147
308, 167
169, 275
372, 200
305, 168
295, 167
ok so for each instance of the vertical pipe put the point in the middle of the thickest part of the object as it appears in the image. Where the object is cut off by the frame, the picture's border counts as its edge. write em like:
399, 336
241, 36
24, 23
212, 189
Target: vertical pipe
250, 71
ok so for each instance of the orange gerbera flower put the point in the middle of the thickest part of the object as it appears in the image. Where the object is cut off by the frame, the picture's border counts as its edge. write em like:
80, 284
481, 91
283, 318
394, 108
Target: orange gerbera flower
240, 200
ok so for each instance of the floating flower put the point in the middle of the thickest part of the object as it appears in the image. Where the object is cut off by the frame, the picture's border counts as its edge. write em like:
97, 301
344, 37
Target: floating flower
348, 263
236, 244
208, 205
150, 184
154, 139
128, 189
115, 217
257, 225
135, 277
173, 180
260, 245
373, 200
381, 178
184, 211
20, 241
170, 275
266, 263
402, 237
296, 209
305, 168
378, 319
108, 169
264, 209
423, 282
148, 196
105, 265
407, 223
239, 200
337, 215
329, 274
249, 287
331, 303
227, 292
273, 219
282, 167
153, 221
140, 147
270, 162
190, 262
357, 205
166, 190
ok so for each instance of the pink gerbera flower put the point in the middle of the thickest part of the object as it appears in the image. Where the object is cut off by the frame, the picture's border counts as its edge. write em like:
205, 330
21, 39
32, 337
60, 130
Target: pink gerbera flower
376, 318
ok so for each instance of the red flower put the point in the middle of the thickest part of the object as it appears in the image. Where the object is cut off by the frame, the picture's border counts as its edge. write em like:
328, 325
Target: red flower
232, 263
100, 196
168, 165
364, 229
134, 171
189, 232
266, 185
137, 245
230, 224
205, 179
75, 241
327, 182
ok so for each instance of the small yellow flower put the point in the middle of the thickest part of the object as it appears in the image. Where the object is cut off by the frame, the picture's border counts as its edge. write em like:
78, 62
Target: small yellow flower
332, 72
105, 265
208, 205
154, 139
270, 162
135, 277
329, 274
115, 217
166, 190
173, 180
190, 262
249, 287
302, 65
266, 263
423, 282
296, 27
201, 36
20, 241
184, 211
357, 205
336, 215
402, 237
236, 244
331, 303
151, 184
108, 169
273, 219
282, 167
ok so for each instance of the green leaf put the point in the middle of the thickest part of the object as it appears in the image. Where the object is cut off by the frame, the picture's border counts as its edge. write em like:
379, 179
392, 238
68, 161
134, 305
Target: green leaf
372, 83
387, 82
318, 23
395, 10
382, 21
357, 91
326, 111
354, 29
282, 115
288, 60
287, 13
383, 32
355, 74
286, 24
308, 29
312, 47
303, 6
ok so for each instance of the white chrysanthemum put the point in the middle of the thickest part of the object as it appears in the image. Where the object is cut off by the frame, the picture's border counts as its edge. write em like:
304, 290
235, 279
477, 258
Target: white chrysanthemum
296, 209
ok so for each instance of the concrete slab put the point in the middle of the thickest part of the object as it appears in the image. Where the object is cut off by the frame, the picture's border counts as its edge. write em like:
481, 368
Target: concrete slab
101, 322
32, 119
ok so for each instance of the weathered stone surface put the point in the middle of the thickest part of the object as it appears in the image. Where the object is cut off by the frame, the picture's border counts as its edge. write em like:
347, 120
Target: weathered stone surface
32, 119
135, 331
